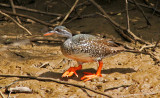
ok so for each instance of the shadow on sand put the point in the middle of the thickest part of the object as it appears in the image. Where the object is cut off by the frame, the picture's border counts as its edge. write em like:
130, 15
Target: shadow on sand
56, 75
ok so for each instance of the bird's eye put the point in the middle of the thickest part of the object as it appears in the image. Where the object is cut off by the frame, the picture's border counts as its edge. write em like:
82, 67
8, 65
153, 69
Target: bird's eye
58, 30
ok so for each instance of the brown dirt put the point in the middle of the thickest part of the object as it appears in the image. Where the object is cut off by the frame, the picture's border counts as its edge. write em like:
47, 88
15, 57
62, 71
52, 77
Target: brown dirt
136, 70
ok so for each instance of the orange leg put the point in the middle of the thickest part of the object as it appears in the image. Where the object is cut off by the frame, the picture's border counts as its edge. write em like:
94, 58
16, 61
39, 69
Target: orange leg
90, 76
71, 71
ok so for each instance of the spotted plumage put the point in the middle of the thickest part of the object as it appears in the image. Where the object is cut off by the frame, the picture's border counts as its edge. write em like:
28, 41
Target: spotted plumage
88, 48
85, 48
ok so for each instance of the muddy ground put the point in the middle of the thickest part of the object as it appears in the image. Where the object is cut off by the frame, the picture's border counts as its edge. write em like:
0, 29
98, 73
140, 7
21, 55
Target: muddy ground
134, 75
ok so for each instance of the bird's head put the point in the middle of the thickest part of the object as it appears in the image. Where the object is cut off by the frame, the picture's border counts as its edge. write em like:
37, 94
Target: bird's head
60, 30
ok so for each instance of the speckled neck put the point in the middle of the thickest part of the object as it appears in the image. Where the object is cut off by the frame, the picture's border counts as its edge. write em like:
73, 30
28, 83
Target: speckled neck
66, 34
69, 35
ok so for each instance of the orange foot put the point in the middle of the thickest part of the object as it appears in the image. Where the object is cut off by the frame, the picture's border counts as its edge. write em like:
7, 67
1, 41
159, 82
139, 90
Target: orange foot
71, 71
89, 76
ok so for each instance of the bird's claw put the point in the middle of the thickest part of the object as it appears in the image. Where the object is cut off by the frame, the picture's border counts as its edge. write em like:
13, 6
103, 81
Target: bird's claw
70, 72
89, 76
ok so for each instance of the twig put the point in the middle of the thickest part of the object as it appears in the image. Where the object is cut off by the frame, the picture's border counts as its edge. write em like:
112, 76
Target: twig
87, 93
9, 94
12, 5
158, 11
59, 63
14, 11
12, 83
146, 46
127, 16
30, 17
55, 19
86, 3
155, 7
124, 86
16, 22
53, 80
2, 95
95, 14
66, 3
31, 10
30, 39
124, 32
78, 14
150, 46
121, 32
156, 44
69, 12
130, 34
154, 57
21, 89
141, 10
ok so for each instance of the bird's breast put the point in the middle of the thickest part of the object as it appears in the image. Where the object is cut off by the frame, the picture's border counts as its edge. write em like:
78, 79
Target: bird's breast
82, 57
77, 51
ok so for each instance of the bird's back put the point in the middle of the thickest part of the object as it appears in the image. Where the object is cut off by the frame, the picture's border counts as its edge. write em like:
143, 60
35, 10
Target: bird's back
88, 48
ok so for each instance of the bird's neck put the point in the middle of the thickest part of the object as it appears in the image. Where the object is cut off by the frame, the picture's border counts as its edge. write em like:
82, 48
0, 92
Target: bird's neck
67, 33
67, 39
69, 36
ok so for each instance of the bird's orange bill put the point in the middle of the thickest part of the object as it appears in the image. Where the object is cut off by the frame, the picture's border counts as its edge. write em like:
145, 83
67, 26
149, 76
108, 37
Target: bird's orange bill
49, 33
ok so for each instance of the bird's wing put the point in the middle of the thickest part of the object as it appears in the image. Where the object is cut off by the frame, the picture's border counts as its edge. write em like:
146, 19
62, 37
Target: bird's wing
95, 45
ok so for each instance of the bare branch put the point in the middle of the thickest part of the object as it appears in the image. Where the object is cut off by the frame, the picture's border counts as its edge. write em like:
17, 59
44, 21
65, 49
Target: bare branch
2, 95
127, 33
16, 22
31, 10
30, 17
69, 12
156, 10
157, 2
60, 82
127, 16
156, 44
141, 10
14, 10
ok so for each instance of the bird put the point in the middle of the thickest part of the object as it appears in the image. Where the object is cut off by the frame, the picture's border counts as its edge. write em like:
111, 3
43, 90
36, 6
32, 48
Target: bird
85, 48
